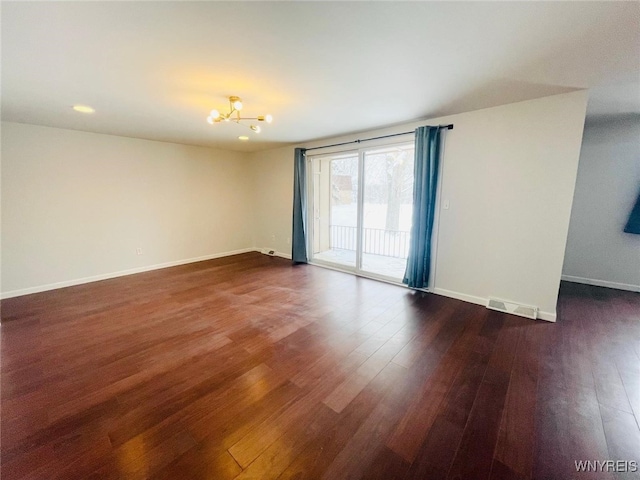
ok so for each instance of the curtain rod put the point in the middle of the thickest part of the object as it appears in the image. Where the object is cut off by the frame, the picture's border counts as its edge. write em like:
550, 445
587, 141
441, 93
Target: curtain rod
448, 127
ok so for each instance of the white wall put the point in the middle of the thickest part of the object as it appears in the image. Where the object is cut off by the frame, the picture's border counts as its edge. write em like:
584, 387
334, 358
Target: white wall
598, 250
76, 205
509, 175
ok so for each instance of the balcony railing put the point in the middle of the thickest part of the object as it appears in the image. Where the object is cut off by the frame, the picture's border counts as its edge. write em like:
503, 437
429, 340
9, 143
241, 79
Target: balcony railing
388, 243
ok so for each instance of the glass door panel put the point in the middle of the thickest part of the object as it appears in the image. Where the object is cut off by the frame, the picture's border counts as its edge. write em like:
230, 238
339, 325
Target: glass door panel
335, 209
387, 210
362, 207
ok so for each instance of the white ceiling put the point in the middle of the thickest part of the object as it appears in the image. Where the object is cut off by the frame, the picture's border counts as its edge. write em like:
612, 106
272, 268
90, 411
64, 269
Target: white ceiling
155, 69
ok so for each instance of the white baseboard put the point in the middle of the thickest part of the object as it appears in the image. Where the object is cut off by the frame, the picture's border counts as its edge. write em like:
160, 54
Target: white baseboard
460, 296
548, 316
121, 273
276, 254
601, 283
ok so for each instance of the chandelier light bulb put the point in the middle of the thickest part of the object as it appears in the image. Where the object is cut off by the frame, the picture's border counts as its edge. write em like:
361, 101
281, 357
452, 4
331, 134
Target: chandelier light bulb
234, 115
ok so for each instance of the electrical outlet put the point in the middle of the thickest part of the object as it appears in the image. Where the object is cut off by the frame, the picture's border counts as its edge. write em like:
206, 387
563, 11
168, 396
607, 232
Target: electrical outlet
139, 251
445, 205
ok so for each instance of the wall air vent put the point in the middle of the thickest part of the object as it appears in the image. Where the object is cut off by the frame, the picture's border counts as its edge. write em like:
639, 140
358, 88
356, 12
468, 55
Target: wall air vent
512, 308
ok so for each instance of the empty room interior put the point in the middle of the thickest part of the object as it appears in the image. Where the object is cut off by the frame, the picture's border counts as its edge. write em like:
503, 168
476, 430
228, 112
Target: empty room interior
320, 240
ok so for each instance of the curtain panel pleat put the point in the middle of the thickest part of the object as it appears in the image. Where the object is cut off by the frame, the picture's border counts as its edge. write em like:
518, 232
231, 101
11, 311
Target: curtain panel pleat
426, 168
299, 231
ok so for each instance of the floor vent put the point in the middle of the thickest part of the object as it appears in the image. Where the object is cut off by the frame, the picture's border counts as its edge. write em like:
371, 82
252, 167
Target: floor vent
513, 308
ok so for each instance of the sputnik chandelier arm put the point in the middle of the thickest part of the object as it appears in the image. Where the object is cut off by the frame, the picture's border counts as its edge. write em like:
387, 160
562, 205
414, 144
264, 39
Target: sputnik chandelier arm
235, 105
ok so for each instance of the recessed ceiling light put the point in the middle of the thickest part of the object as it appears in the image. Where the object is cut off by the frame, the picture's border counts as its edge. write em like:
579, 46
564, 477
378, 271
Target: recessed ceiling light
244, 138
83, 109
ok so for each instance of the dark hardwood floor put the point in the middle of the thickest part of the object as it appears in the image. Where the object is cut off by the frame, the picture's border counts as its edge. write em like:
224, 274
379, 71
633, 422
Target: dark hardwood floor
246, 367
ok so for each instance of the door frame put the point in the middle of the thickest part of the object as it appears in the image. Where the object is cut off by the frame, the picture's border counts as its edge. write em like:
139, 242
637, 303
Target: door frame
357, 269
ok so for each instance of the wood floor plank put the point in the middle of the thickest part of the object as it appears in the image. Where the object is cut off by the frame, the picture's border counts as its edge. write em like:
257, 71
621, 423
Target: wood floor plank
369, 439
247, 449
195, 464
442, 366
140, 465
568, 420
475, 452
605, 351
429, 329
218, 432
317, 457
250, 367
623, 441
437, 451
499, 471
386, 465
275, 459
354, 384
630, 375
514, 449
196, 401
435, 455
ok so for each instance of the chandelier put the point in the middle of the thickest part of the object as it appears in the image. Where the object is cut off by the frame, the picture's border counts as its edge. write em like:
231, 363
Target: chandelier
235, 105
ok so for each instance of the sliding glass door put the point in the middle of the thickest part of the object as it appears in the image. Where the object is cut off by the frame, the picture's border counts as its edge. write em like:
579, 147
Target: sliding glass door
361, 210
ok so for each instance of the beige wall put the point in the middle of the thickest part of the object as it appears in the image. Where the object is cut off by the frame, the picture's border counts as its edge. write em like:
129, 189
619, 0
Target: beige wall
77, 205
509, 175
273, 198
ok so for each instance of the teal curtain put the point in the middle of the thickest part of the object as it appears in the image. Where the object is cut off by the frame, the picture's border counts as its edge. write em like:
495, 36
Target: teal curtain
633, 224
299, 235
426, 167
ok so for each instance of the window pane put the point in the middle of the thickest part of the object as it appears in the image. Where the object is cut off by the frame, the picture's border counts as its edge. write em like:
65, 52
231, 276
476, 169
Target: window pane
336, 209
387, 210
